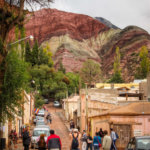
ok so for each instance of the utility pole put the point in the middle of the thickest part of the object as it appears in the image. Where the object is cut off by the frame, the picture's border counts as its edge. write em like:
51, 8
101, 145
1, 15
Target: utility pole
86, 108
148, 87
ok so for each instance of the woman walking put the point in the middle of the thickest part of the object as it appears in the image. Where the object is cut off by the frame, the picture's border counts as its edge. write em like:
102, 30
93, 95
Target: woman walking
97, 143
42, 143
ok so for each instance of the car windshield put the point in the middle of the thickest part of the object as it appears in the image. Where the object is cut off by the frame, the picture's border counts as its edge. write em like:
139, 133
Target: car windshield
40, 123
41, 112
143, 143
39, 132
40, 118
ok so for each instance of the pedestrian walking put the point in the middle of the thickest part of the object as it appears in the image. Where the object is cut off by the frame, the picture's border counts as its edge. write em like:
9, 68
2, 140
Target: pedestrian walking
97, 143
72, 124
75, 138
42, 143
47, 117
53, 141
84, 140
50, 118
106, 141
114, 138
89, 142
101, 133
26, 138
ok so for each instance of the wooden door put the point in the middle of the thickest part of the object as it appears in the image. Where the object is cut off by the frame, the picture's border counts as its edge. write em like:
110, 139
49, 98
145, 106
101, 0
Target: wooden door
124, 133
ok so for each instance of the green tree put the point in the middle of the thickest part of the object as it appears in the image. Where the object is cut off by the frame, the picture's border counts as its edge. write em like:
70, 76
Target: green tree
61, 67
90, 72
73, 86
116, 78
45, 57
35, 54
28, 54
15, 79
11, 14
144, 68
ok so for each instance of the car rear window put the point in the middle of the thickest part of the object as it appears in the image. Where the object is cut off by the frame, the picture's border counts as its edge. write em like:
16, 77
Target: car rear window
39, 132
143, 143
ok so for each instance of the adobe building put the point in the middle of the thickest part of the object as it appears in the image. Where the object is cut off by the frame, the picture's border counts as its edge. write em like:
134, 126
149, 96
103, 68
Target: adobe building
128, 121
144, 87
148, 87
94, 102
69, 106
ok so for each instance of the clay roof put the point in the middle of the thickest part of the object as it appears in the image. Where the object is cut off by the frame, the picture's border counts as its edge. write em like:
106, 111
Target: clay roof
138, 108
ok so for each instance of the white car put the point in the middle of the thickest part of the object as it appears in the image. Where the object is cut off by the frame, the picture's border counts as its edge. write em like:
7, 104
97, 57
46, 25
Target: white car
37, 118
56, 104
38, 130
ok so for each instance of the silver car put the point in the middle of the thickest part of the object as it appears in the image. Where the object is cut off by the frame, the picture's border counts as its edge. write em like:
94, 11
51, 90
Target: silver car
40, 123
38, 130
41, 112
37, 118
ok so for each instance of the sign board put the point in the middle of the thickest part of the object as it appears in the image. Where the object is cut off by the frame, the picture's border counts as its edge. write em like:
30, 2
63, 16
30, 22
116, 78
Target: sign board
137, 133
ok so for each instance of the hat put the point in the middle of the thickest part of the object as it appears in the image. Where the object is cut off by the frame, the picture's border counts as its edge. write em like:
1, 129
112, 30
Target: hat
75, 130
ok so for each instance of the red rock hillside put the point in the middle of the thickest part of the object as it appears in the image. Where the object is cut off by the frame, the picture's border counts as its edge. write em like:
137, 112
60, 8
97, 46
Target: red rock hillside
74, 38
71, 31
47, 23
129, 40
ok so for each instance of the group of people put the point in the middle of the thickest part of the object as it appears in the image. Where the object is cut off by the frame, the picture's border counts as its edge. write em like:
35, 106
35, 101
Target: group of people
100, 140
53, 141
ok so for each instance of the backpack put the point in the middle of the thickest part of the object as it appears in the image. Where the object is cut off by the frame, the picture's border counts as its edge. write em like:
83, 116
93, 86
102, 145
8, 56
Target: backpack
75, 142
117, 136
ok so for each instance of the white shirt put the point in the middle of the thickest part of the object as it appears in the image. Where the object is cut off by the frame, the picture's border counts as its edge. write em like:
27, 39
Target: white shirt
113, 135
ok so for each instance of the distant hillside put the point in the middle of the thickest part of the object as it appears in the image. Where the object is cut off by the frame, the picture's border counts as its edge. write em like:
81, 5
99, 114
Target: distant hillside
106, 22
74, 38
129, 40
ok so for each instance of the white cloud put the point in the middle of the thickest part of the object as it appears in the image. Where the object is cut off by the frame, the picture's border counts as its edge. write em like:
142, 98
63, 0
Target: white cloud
120, 12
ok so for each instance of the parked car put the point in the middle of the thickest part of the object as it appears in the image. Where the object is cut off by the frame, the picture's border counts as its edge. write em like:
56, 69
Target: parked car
139, 143
37, 131
46, 101
56, 104
41, 112
40, 122
37, 118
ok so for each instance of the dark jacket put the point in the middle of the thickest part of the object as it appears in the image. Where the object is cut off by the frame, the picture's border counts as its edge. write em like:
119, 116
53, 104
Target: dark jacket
54, 141
26, 138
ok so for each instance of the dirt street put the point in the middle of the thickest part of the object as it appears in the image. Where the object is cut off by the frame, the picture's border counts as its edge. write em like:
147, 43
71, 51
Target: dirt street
58, 124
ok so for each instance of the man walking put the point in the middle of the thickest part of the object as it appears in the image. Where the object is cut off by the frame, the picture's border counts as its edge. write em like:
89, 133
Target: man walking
114, 138
26, 138
106, 141
53, 141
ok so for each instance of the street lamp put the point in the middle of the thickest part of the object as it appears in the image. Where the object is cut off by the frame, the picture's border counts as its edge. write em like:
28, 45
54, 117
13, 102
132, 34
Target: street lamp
28, 37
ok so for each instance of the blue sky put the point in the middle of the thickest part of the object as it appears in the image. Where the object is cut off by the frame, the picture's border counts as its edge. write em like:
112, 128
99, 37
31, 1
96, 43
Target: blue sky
120, 12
